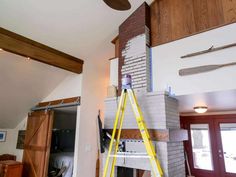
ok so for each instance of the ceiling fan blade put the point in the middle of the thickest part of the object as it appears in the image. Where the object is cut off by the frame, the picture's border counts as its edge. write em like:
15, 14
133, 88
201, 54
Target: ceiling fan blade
118, 4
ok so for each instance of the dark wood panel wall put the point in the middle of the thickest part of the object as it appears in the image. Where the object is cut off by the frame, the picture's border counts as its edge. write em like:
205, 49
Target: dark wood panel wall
176, 19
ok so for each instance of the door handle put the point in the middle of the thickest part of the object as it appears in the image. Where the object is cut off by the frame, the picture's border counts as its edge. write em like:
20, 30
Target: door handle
220, 153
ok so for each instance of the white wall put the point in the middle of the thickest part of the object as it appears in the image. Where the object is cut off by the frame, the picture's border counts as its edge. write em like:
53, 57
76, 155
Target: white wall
114, 72
166, 62
9, 147
94, 86
69, 87
91, 86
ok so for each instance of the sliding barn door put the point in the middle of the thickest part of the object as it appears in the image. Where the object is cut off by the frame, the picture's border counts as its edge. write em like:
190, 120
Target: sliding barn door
37, 144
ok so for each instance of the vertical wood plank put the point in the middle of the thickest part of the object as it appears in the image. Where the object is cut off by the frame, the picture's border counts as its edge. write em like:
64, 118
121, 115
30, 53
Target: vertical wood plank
201, 14
229, 10
215, 13
182, 18
165, 32
154, 18
160, 22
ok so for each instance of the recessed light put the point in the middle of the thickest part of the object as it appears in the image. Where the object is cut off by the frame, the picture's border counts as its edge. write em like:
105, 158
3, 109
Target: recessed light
200, 109
1, 49
28, 58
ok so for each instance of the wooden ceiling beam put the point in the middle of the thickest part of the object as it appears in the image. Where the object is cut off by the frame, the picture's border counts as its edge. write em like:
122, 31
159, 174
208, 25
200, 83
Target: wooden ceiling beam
25, 47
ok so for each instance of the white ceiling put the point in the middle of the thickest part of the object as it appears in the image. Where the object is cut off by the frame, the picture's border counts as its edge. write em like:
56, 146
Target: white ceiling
215, 101
24, 83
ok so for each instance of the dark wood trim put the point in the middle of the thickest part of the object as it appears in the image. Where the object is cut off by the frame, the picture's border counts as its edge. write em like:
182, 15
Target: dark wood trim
7, 157
55, 102
25, 47
215, 140
113, 58
115, 39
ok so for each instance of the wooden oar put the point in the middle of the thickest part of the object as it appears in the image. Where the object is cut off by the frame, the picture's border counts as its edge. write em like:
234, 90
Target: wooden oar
201, 69
211, 49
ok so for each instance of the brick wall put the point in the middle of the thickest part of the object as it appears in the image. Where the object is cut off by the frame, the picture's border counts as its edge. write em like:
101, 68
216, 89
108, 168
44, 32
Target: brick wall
134, 42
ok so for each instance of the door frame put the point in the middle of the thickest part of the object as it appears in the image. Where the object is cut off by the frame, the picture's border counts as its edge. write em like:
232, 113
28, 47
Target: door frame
185, 123
217, 121
215, 140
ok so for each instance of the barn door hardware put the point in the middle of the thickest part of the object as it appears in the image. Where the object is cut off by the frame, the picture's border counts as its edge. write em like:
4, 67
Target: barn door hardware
68, 102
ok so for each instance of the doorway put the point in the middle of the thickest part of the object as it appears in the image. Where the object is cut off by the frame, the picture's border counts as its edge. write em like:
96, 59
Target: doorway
50, 143
61, 159
211, 148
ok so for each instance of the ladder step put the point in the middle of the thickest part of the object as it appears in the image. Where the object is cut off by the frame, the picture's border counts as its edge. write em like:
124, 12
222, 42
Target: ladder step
131, 156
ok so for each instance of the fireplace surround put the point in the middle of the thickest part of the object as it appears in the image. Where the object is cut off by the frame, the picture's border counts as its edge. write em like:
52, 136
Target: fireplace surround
161, 115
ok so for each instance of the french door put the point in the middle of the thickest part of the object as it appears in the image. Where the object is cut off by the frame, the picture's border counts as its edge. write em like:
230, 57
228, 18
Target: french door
211, 148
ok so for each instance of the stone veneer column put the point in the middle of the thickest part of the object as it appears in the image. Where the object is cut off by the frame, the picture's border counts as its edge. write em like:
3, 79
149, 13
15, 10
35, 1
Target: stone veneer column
161, 113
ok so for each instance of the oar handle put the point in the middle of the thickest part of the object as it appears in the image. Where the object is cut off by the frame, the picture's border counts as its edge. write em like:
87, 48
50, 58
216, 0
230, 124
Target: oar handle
228, 64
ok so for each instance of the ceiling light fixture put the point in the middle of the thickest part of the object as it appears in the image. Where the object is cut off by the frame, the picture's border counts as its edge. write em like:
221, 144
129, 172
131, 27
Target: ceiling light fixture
200, 109
28, 58
1, 49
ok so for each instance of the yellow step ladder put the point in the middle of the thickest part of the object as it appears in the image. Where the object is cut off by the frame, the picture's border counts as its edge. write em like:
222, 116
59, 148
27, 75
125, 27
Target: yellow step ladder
151, 154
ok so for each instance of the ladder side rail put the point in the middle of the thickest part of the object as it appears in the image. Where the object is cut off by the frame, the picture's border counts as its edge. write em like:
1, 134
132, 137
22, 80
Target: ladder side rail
119, 133
144, 133
113, 133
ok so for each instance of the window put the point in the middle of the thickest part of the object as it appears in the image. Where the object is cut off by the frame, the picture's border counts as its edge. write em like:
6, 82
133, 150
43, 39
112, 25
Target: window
201, 148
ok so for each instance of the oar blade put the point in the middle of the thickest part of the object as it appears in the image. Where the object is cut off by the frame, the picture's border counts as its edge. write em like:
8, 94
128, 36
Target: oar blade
197, 70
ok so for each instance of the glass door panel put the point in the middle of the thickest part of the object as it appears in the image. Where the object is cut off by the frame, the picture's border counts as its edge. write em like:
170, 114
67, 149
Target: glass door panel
228, 140
201, 146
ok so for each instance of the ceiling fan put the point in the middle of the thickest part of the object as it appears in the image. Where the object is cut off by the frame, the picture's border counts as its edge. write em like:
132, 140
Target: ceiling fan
118, 4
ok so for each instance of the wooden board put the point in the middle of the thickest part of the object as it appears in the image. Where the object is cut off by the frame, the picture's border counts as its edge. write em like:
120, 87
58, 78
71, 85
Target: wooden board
182, 19
25, 47
37, 144
175, 19
229, 10
155, 135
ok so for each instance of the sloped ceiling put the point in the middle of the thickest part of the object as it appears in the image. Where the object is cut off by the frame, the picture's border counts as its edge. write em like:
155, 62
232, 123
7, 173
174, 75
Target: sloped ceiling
83, 28
24, 83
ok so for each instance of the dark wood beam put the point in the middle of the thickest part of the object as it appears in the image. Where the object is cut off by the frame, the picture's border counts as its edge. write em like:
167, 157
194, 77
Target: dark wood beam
25, 47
